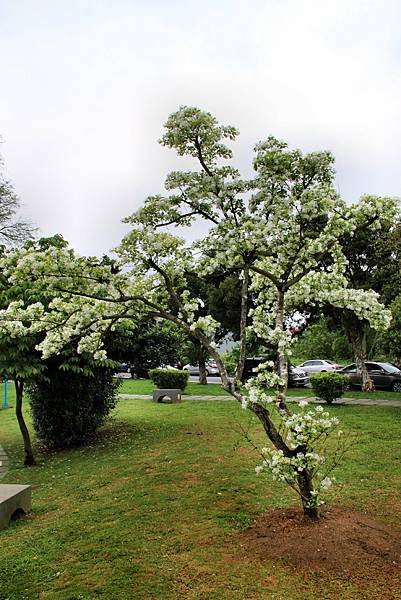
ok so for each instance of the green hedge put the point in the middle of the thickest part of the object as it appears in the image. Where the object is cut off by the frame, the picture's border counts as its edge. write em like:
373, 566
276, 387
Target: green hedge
169, 378
68, 408
329, 386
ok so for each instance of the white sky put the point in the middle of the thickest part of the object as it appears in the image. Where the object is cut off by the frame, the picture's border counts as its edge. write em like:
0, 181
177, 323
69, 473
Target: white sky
87, 84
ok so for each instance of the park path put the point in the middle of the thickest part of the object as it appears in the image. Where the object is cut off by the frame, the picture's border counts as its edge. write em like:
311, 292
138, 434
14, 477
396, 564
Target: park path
3, 462
351, 401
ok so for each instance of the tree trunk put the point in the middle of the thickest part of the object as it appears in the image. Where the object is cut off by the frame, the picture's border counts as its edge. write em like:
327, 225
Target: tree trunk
281, 357
201, 356
244, 313
306, 488
357, 336
202, 372
19, 390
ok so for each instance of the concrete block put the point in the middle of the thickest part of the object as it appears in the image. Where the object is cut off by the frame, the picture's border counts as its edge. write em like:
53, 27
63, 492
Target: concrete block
13, 499
167, 396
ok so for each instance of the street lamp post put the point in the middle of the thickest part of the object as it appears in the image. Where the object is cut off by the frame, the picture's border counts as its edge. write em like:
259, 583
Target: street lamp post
5, 400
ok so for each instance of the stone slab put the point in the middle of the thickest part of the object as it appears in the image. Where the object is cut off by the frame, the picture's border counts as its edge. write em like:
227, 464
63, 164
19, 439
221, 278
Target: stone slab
167, 396
13, 498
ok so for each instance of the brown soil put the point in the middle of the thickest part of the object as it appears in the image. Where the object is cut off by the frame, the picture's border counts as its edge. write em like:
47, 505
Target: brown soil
348, 544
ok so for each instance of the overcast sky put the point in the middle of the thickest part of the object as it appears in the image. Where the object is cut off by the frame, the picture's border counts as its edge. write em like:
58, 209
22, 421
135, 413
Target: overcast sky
86, 86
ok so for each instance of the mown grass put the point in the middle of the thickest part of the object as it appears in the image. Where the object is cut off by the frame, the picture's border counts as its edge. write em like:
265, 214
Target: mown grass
146, 387
155, 507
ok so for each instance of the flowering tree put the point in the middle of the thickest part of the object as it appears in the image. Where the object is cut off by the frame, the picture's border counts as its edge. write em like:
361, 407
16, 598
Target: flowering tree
19, 340
279, 230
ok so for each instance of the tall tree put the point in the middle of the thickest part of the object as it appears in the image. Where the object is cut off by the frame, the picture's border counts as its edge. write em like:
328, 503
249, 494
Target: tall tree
373, 262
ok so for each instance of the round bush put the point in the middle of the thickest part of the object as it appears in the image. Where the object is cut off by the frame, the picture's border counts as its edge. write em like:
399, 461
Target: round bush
68, 408
169, 378
329, 386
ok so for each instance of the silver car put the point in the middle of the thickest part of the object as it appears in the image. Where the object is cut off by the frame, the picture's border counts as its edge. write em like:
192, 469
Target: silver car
211, 369
319, 366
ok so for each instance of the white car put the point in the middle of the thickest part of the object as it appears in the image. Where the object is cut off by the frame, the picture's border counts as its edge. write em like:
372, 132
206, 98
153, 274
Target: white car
319, 366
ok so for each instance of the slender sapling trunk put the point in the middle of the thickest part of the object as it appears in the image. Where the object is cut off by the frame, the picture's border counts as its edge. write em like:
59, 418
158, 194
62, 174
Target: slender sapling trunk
311, 510
29, 459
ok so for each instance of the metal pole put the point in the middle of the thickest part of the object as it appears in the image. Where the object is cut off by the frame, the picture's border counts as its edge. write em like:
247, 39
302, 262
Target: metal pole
5, 401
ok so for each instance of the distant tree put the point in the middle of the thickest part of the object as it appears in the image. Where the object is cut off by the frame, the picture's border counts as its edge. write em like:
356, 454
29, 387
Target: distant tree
321, 340
146, 345
373, 259
390, 342
224, 299
13, 230
219, 296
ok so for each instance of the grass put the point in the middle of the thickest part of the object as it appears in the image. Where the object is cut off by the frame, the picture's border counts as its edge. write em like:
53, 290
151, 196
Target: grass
146, 387
154, 509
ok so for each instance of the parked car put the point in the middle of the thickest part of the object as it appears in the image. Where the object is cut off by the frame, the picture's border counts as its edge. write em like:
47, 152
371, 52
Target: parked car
384, 375
319, 365
251, 367
211, 369
123, 371
296, 377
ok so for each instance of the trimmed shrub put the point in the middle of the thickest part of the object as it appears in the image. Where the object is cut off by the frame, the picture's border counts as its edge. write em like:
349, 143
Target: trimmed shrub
329, 386
169, 378
68, 407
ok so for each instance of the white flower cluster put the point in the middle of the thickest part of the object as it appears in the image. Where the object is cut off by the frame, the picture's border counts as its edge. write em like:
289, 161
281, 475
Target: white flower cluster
208, 325
303, 431
283, 339
256, 394
287, 468
190, 305
256, 387
305, 427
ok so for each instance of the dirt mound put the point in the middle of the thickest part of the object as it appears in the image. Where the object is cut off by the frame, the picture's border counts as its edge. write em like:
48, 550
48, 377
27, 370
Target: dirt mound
348, 543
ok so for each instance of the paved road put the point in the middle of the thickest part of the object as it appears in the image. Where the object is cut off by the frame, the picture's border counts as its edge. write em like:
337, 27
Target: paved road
195, 379
343, 401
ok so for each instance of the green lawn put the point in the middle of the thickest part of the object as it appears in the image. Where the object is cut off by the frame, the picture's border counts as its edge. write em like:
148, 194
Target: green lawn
153, 510
145, 386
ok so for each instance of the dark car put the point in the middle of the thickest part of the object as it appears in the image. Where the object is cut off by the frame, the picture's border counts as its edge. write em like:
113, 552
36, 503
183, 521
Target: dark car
296, 377
384, 375
123, 371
